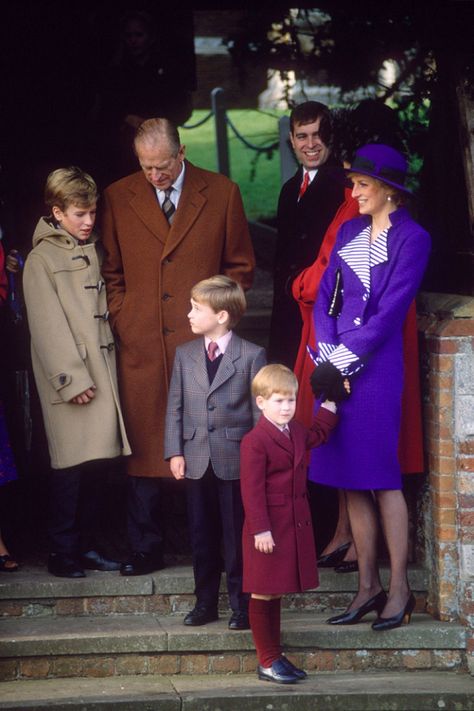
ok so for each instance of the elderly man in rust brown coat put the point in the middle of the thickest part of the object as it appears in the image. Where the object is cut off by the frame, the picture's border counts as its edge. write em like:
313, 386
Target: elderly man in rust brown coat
164, 228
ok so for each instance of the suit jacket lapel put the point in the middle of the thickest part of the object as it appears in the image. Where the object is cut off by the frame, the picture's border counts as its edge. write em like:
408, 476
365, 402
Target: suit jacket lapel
191, 203
226, 368
144, 202
198, 355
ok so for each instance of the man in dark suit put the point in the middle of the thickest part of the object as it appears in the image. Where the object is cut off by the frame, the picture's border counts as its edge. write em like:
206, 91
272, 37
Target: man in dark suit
307, 204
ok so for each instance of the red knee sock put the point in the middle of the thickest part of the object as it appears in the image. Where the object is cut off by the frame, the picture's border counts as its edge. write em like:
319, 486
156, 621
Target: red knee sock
264, 618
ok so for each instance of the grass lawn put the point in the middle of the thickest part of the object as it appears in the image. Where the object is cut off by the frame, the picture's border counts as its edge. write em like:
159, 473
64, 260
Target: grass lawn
259, 183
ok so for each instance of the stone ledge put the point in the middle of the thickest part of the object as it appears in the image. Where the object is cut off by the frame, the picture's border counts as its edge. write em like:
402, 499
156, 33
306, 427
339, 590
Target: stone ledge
131, 634
344, 691
35, 583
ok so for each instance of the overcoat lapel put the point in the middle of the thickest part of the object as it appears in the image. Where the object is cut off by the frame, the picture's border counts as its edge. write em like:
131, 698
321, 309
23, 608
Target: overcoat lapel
276, 435
144, 203
191, 203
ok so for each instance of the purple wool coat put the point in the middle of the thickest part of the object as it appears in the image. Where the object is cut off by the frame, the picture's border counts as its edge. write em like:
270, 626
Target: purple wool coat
365, 341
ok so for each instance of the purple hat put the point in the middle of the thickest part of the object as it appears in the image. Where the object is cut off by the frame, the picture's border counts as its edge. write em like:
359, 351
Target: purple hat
383, 163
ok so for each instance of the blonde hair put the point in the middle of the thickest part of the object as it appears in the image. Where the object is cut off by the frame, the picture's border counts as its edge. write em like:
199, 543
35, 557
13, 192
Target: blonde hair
221, 293
70, 186
274, 378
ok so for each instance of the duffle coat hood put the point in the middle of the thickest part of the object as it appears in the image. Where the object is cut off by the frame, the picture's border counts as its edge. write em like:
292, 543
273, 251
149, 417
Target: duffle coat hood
72, 347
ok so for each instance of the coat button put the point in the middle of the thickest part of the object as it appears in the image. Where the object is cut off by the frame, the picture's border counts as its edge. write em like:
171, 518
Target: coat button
167, 260
166, 296
211, 429
167, 331
62, 379
211, 407
357, 321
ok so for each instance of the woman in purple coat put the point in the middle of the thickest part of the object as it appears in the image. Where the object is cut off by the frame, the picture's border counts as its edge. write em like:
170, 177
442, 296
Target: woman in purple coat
373, 275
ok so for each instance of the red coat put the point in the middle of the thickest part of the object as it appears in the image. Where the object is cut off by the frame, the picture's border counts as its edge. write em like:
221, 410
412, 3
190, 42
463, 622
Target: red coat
305, 289
273, 482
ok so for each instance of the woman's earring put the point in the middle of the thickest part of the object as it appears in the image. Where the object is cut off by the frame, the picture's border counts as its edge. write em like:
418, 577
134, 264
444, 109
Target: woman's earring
389, 198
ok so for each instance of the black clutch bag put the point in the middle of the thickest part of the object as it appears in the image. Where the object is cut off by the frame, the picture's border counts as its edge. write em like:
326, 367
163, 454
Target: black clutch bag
335, 305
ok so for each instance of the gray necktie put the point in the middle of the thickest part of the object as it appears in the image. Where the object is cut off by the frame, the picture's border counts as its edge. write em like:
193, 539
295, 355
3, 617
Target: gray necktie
168, 206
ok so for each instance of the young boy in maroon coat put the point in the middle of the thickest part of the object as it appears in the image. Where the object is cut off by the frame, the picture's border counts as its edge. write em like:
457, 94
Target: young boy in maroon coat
278, 543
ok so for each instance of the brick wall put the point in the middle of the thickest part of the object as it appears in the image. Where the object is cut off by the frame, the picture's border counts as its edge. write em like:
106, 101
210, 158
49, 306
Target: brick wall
446, 323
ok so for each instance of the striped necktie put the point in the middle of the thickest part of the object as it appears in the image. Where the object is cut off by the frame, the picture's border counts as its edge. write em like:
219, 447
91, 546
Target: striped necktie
168, 206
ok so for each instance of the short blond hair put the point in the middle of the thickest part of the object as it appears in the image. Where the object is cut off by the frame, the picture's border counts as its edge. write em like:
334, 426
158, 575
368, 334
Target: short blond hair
221, 293
70, 186
274, 378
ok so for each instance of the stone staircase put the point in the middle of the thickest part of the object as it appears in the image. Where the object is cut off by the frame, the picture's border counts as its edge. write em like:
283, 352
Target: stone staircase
109, 642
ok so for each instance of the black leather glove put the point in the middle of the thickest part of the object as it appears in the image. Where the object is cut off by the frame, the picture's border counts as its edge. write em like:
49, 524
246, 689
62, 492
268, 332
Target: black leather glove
328, 382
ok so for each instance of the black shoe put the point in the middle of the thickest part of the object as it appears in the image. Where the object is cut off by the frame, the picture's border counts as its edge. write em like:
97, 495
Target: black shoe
331, 559
300, 673
63, 565
377, 602
278, 672
200, 616
403, 617
347, 566
239, 620
92, 560
142, 564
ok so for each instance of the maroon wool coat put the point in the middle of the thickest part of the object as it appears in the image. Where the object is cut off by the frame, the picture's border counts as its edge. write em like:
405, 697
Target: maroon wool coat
274, 493
149, 269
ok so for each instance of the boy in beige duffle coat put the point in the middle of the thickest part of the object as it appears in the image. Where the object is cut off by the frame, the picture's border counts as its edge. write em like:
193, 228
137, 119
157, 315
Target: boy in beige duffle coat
73, 356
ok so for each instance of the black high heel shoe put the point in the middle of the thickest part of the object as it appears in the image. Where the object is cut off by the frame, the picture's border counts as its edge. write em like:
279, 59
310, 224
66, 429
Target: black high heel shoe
403, 617
377, 602
331, 559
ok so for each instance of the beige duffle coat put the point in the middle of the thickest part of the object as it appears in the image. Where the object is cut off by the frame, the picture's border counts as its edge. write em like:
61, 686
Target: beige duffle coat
72, 348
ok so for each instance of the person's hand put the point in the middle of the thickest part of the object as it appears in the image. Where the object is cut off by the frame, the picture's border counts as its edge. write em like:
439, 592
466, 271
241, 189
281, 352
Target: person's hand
12, 262
327, 381
85, 397
178, 466
264, 542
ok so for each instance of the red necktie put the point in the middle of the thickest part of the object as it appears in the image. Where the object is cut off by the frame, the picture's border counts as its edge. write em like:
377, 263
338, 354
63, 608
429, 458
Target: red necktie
211, 350
304, 185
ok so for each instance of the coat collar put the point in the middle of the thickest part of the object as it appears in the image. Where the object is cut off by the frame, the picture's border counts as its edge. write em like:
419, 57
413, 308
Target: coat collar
145, 204
276, 435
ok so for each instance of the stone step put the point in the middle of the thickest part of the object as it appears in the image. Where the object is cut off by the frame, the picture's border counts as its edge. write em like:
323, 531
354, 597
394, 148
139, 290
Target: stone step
345, 691
32, 592
39, 648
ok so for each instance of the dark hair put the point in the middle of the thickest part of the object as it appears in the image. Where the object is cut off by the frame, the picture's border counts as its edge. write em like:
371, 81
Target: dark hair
310, 111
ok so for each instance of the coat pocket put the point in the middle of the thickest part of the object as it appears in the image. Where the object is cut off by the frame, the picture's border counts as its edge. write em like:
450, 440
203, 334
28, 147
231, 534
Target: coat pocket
188, 433
236, 433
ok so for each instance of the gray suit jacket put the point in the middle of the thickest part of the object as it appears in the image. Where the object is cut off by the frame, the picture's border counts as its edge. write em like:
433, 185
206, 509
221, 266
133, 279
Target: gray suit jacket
207, 422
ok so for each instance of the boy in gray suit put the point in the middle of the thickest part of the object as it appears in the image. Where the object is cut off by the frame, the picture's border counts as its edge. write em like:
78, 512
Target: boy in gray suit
209, 410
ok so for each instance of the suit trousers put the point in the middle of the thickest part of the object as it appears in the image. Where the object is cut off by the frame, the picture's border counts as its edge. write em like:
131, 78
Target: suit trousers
144, 514
215, 517
75, 502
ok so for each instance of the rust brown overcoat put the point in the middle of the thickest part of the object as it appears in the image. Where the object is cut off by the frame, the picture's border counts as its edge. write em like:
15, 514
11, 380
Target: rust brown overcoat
149, 269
